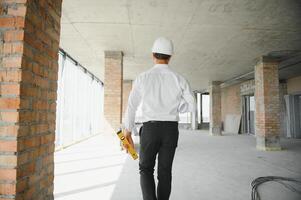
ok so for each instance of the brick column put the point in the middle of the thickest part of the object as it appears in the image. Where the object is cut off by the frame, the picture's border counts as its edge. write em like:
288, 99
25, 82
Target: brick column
215, 108
113, 81
29, 44
267, 115
127, 87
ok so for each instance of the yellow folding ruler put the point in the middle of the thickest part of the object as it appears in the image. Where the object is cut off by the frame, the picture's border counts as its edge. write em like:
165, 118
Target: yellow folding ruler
125, 142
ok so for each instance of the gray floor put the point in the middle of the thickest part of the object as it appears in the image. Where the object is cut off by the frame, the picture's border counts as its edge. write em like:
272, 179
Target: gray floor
205, 167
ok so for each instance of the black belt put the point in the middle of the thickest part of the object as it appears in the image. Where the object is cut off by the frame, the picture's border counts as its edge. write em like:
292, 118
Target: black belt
161, 122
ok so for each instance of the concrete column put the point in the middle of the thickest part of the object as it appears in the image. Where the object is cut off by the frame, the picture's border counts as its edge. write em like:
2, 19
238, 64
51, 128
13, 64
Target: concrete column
113, 81
267, 114
194, 117
127, 87
215, 108
29, 45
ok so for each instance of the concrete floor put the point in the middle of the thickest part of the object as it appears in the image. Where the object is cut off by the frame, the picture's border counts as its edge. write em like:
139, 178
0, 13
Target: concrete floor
205, 167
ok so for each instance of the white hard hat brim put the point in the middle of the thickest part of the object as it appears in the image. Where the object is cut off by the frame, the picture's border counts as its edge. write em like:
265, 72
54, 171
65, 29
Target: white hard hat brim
163, 46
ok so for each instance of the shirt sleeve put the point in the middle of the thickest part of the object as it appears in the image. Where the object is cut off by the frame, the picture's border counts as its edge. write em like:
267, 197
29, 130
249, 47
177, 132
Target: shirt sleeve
133, 103
187, 102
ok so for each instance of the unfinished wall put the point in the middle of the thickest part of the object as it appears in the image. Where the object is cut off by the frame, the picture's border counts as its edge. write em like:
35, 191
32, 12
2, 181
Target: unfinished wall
232, 97
247, 87
231, 101
294, 85
113, 82
29, 64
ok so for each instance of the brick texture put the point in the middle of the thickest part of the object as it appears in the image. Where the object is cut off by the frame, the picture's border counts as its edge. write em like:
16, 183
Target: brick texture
267, 115
247, 87
127, 87
231, 101
232, 97
215, 108
29, 43
113, 82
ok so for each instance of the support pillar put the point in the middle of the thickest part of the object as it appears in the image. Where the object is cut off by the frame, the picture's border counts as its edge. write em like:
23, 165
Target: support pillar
113, 81
29, 45
215, 108
194, 117
267, 114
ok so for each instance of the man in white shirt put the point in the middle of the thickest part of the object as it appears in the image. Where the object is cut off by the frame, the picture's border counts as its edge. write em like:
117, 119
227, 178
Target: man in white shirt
163, 94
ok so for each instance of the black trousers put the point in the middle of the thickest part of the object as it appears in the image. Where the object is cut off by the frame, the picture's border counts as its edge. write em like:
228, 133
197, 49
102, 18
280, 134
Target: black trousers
157, 138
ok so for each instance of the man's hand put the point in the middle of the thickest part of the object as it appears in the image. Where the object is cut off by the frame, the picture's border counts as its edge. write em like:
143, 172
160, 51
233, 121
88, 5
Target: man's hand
128, 136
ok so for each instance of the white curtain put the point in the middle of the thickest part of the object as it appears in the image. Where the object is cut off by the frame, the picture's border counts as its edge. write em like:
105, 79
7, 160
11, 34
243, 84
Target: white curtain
79, 111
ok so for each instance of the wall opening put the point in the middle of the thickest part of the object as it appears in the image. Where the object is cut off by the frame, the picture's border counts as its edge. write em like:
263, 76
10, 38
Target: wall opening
293, 111
205, 111
248, 114
79, 109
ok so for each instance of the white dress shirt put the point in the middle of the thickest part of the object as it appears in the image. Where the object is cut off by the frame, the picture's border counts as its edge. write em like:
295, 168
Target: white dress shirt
162, 93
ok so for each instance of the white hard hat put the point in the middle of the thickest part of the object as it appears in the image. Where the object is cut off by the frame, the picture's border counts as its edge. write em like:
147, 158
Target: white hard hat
163, 46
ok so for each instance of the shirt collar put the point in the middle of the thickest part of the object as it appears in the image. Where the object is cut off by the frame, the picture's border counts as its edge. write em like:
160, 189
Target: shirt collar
160, 65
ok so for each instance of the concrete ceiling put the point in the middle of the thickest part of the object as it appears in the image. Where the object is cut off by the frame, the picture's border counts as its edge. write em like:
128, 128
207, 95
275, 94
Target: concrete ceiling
214, 39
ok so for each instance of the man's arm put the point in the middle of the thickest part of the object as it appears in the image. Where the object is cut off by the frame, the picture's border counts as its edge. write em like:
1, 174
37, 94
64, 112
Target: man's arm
188, 102
133, 103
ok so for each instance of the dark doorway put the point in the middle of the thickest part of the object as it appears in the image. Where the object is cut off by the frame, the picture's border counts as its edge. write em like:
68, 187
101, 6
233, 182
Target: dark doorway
248, 115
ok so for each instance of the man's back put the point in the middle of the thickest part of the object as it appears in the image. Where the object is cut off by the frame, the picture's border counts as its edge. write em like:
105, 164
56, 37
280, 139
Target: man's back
162, 94
160, 90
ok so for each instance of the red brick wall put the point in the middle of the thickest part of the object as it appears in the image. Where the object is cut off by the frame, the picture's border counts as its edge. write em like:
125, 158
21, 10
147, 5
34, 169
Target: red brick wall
113, 81
29, 54
231, 101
